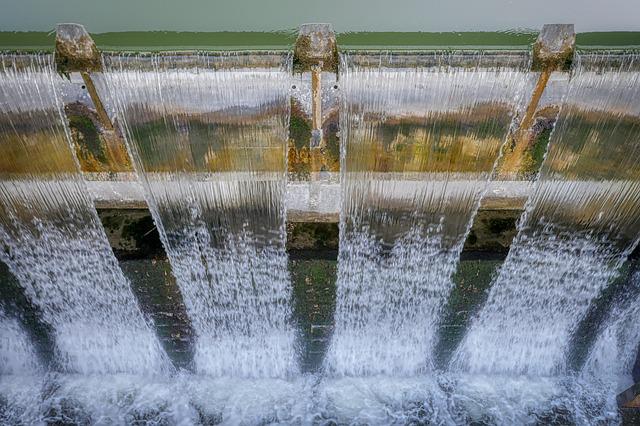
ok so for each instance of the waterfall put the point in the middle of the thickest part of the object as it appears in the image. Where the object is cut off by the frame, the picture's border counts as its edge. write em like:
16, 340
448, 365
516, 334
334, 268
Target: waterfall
579, 225
19, 373
52, 239
420, 136
612, 356
208, 137
17, 355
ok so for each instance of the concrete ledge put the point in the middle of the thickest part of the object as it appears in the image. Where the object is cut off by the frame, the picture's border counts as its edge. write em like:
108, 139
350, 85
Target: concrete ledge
306, 201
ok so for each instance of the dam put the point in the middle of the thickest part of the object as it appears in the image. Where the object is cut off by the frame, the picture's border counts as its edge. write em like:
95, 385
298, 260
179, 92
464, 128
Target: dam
316, 231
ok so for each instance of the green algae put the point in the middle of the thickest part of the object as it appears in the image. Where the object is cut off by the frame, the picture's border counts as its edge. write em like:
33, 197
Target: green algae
88, 137
299, 131
314, 287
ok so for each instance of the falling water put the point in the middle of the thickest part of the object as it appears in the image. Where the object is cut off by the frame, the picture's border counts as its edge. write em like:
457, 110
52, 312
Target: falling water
579, 225
616, 348
420, 136
208, 136
19, 371
52, 239
17, 355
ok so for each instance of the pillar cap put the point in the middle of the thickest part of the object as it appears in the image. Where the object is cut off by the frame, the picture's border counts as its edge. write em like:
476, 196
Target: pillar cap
554, 47
316, 45
76, 50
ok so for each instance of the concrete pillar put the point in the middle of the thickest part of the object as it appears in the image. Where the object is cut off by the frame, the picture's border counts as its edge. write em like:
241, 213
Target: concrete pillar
316, 51
314, 152
78, 58
552, 52
77, 52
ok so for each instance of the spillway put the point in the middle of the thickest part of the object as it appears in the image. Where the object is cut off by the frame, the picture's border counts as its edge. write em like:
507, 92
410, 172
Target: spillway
208, 138
420, 139
52, 239
423, 154
579, 226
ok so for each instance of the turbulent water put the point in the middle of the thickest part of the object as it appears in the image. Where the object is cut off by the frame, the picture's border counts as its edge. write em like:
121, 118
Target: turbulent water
196, 400
20, 373
17, 355
420, 137
209, 143
52, 239
579, 225
613, 354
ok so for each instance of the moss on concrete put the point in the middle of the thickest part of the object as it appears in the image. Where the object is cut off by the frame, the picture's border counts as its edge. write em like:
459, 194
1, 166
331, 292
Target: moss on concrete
314, 286
540, 148
561, 61
298, 152
80, 54
131, 233
87, 138
299, 130
97, 149
500, 225
312, 236
330, 132
536, 139
492, 230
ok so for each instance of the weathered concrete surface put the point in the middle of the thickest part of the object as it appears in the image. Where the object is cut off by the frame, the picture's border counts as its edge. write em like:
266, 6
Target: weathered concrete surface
76, 50
316, 46
116, 190
313, 144
523, 152
316, 200
307, 155
98, 144
506, 195
133, 235
554, 48
492, 230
